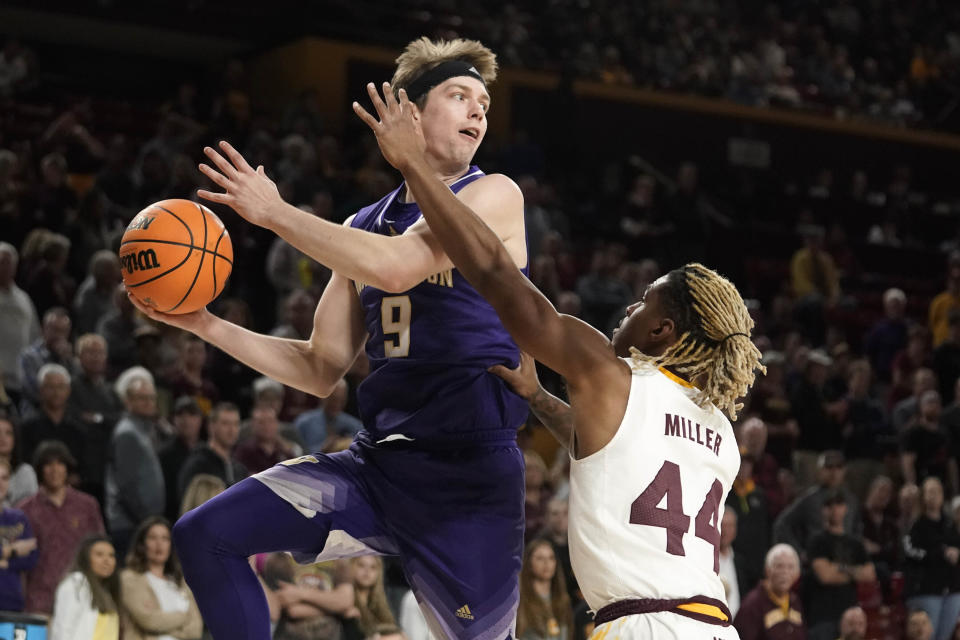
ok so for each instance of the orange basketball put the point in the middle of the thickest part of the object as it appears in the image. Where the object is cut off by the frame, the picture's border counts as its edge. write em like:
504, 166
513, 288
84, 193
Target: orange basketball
176, 256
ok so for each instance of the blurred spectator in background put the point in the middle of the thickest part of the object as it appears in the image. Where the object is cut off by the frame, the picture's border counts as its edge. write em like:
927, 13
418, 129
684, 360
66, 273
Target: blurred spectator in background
804, 518
156, 600
753, 438
932, 549
187, 423
48, 282
23, 478
95, 404
749, 504
189, 378
881, 536
537, 493
19, 326
770, 611
118, 328
839, 562
18, 547
545, 612
926, 448
94, 298
52, 420
264, 448
853, 624
370, 608
946, 357
923, 380
943, 303
61, 517
88, 598
919, 626
328, 421
731, 574
816, 283
914, 357
53, 346
215, 456
889, 334
134, 478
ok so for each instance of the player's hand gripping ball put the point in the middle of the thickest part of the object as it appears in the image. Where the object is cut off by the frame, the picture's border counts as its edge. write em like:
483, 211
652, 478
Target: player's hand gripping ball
176, 256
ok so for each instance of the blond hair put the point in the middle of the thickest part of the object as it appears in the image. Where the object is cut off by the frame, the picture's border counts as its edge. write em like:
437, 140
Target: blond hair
714, 347
424, 54
202, 487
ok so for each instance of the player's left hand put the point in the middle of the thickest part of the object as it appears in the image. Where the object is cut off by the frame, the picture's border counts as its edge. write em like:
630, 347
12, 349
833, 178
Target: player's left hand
247, 191
398, 131
523, 380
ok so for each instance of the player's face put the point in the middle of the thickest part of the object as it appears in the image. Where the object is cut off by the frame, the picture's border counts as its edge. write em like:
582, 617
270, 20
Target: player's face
644, 326
454, 120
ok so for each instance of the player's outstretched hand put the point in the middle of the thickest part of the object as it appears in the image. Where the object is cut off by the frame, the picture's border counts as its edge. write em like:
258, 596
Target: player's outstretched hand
192, 322
398, 129
247, 191
523, 380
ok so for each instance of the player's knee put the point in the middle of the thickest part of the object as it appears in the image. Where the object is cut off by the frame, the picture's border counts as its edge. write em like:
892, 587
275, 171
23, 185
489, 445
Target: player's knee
194, 531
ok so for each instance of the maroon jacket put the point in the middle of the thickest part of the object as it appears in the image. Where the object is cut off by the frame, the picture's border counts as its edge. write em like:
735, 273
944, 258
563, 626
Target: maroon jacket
760, 618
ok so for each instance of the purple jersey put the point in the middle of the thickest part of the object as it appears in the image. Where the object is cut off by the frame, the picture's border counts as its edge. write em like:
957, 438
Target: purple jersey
429, 350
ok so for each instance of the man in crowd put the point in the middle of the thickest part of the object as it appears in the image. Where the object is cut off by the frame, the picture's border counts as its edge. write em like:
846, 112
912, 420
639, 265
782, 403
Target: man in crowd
61, 518
215, 457
134, 479
839, 561
771, 611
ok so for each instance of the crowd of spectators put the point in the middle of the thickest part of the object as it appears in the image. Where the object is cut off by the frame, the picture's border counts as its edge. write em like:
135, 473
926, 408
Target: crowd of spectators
844, 515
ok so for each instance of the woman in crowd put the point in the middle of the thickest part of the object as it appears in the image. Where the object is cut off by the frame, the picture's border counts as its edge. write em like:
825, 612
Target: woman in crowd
157, 604
370, 607
23, 479
932, 549
85, 607
545, 612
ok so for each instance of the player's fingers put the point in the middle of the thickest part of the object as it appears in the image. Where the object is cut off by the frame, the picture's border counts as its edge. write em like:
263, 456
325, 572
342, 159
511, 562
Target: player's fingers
371, 122
404, 101
221, 198
377, 101
238, 160
388, 96
502, 371
228, 169
218, 178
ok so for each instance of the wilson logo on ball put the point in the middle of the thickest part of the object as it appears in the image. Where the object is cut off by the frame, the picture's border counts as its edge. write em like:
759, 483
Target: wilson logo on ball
141, 222
139, 261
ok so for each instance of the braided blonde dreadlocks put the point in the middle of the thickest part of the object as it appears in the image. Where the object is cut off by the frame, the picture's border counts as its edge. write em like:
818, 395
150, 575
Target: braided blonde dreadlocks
714, 344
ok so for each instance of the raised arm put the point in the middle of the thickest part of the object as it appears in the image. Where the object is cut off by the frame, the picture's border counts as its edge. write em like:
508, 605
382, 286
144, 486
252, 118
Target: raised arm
565, 344
390, 263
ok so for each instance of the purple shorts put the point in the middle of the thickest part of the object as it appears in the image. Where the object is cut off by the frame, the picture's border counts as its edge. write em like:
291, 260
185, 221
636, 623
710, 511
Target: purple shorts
455, 518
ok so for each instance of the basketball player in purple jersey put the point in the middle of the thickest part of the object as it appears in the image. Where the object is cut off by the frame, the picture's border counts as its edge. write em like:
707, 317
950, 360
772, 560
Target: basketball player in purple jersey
435, 476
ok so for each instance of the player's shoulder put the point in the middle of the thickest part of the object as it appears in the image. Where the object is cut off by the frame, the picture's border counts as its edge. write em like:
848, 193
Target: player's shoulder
366, 216
495, 183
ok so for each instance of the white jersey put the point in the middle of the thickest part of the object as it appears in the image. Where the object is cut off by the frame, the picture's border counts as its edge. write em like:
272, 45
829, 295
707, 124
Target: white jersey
645, 510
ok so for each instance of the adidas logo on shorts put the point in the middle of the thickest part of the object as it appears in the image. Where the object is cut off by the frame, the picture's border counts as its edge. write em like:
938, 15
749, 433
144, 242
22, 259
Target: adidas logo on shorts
464, 612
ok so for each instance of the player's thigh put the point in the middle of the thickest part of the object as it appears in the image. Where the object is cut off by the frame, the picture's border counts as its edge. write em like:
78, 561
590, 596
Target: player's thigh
461, 543
329, 488
662, 626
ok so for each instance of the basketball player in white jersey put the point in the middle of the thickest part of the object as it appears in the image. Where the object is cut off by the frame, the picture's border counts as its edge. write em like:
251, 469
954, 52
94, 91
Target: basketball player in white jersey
653, 453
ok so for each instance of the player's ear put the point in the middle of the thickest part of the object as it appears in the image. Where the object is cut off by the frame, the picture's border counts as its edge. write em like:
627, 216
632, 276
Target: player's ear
665, 330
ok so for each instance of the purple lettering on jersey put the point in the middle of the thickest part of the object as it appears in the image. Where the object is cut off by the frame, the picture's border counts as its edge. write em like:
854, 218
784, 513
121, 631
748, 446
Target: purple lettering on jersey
680, 427
672, 426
